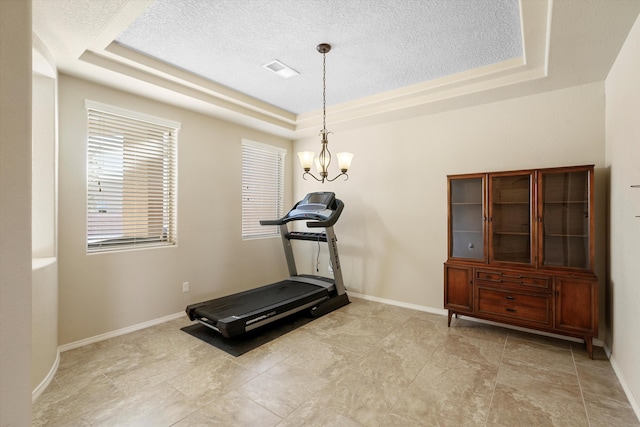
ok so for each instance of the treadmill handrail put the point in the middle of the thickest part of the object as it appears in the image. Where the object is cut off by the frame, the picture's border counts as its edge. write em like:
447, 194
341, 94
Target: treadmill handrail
336, 208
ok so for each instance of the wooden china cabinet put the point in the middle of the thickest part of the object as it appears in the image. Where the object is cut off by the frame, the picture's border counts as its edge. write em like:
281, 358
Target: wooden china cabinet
521, 250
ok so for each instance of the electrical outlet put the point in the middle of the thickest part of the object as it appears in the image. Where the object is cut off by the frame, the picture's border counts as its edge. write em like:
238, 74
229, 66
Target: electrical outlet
185, 286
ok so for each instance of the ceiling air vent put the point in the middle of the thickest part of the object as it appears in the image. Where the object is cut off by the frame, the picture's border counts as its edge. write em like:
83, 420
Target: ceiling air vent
280, 69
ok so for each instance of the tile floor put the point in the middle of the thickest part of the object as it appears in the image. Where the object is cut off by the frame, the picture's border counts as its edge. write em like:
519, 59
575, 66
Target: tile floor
367, 364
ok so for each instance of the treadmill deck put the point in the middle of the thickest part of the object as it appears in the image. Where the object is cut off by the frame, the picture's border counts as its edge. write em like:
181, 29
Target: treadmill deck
234, 313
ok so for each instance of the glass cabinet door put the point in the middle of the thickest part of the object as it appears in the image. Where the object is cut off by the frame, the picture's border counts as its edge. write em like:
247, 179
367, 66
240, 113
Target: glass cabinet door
566, 226
466, 218
510, 216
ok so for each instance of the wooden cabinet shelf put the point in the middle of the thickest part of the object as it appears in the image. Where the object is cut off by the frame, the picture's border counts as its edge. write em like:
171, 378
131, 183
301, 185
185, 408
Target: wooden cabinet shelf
579, 236
520, 249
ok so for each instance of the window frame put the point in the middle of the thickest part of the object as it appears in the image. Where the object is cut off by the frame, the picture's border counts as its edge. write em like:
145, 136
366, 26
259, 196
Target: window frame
148, 156
250, 227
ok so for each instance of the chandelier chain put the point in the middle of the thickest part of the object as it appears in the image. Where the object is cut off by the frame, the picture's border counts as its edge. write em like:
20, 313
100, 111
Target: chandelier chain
324, 92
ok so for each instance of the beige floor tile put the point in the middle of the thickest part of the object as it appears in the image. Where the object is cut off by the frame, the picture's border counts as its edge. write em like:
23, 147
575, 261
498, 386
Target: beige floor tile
230, 409
402, 420
84, 363
364, 308
516, 407
359, 398
149, 373
603, 411
314, 414
535, 378
157, 405
416, 333
540, 355
272, 353
458, 348
547, 394
216, 374
437, 319
455, 385
448, 391
358, 335
540, 339
600, 380
68, 405
478, 330
282, 388
323, 360
398, 366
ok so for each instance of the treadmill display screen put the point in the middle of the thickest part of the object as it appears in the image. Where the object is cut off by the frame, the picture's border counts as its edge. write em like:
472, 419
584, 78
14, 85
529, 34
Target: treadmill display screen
316, 201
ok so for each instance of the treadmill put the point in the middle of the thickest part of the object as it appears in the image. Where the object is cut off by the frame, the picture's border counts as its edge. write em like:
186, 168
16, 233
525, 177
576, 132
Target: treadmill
236, 314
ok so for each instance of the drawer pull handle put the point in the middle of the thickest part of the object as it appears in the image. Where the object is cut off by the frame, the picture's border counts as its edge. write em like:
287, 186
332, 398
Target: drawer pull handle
509, 297
511, 310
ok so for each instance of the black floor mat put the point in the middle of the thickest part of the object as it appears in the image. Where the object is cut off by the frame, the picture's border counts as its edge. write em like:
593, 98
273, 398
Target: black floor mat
239, 345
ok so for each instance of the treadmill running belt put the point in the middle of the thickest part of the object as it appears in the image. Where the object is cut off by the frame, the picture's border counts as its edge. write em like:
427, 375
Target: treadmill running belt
257, 299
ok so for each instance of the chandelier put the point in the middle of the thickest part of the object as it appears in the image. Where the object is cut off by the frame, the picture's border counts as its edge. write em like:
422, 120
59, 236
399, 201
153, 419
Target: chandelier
307, 158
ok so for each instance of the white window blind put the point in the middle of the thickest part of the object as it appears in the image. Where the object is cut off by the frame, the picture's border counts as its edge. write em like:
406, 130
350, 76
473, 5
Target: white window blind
131, 179
262, 188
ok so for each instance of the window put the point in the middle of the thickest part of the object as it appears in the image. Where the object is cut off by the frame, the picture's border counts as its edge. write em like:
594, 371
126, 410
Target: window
262, 188
131, 179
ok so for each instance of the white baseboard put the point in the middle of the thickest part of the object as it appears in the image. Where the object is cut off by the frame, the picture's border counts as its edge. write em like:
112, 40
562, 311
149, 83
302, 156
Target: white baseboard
119, 332
627, 390
47, 380
416, 307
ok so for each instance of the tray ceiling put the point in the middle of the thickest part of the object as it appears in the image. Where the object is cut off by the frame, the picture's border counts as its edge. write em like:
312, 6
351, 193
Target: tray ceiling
391, 59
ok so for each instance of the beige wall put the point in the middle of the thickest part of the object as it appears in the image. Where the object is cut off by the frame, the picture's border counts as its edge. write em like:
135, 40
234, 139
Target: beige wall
101, 293
44, 322
623, 163
44, 286
15, 213
393, 233
44, 171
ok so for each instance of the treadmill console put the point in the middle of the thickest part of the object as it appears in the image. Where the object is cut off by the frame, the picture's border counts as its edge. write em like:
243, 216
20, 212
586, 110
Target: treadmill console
321, 209
316, 201
314, 206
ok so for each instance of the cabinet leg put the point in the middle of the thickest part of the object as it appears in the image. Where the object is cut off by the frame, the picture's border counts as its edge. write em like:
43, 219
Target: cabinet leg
589, 343
451, 314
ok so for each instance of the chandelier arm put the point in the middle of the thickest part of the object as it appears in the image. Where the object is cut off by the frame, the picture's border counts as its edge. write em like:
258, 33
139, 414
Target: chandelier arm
312, 176
346, 177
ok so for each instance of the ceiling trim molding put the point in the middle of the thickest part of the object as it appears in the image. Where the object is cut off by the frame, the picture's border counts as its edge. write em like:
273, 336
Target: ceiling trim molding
175, 89
42, 62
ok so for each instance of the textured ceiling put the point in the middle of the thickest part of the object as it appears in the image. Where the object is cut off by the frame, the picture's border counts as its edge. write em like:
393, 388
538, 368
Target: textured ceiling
378, 45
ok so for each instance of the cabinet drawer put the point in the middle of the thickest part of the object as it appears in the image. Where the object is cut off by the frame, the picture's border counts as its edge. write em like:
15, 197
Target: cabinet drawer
527, 307
513, 278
